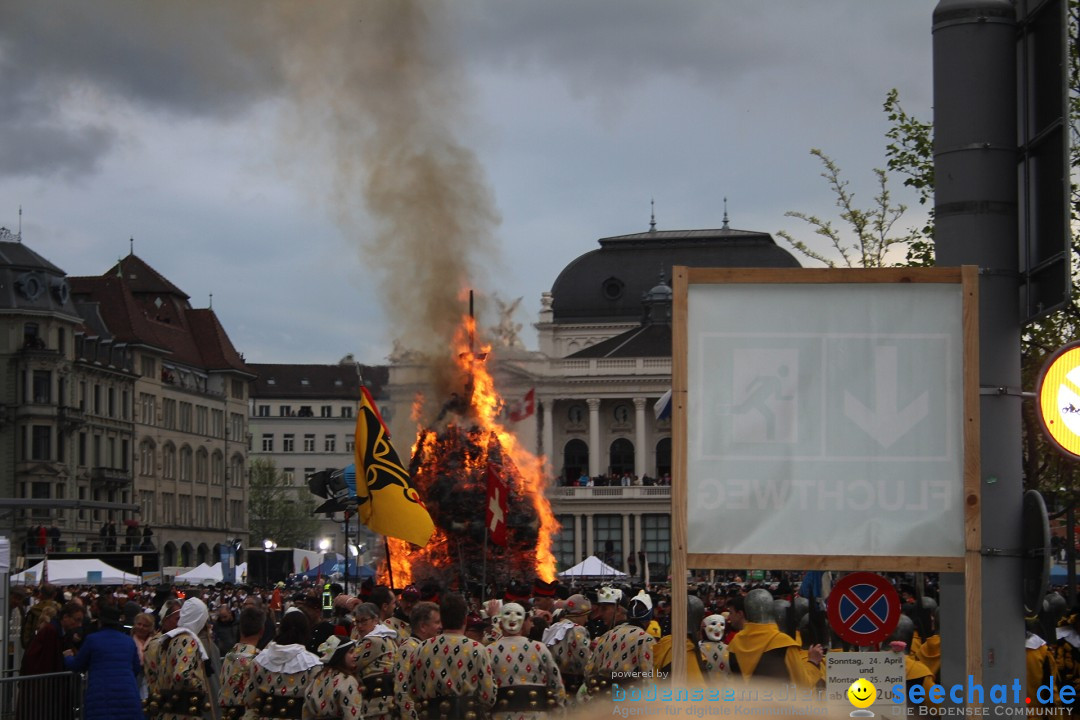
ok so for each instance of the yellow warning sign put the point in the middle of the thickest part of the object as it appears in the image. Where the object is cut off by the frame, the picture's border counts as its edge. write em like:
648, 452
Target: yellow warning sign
1059, 399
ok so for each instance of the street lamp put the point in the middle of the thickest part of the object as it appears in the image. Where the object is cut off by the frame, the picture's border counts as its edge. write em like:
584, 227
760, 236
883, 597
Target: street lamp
268, 547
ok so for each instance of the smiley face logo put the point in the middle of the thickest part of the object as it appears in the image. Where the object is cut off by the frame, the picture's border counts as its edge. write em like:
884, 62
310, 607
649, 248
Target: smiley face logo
862, 693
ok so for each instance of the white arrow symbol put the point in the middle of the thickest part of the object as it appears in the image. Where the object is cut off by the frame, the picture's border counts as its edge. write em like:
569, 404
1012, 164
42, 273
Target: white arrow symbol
885, 423
496, 511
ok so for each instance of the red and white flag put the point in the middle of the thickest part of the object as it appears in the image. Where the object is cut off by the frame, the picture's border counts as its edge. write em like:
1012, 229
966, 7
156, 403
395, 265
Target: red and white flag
525, 407
497, 497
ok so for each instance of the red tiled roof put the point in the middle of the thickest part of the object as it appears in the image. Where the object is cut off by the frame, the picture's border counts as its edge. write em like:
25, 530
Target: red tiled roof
141, 278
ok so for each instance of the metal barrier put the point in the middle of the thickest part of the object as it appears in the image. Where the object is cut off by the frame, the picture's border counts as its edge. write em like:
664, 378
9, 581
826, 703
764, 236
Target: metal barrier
55, 696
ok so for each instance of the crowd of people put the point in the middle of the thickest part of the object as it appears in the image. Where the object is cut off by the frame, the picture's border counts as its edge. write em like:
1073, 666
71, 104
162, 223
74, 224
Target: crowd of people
232, 652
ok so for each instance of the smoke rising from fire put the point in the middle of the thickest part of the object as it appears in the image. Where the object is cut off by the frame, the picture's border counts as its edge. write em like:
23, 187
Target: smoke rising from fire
379, 101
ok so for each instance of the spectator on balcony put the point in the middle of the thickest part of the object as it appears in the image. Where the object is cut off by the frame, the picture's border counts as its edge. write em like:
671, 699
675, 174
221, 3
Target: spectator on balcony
147, 538
584, 479
131, 535
624, 481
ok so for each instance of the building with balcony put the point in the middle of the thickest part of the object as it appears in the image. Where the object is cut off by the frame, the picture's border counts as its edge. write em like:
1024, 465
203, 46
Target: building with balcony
604, 360
303, 418
184, 461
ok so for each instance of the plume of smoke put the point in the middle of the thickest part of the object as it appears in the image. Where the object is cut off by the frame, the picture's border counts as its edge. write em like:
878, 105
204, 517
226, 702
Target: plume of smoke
379, 98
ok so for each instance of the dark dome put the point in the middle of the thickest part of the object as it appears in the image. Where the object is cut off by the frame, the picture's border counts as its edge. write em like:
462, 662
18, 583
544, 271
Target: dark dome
609, 283
29, 281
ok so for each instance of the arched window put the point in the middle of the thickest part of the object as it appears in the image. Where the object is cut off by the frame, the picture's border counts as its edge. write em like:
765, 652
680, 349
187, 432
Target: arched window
185, 463
217, 468
146, 457
236, 471
168, 554
187, 553
203, 554
202, 465
575, 460
621, 458
168, 461
663, 457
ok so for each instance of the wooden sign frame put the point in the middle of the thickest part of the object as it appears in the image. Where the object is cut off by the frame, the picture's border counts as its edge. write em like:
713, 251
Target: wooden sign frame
970, 563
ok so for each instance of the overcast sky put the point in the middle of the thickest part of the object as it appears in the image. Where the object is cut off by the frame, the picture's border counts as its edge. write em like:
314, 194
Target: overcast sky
250, 148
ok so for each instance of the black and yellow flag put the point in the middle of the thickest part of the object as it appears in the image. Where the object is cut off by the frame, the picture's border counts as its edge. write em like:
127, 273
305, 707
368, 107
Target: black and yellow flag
387, 501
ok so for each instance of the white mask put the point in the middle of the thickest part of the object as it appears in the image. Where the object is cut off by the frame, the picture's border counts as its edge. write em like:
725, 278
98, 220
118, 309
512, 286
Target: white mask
714, 626
512, 618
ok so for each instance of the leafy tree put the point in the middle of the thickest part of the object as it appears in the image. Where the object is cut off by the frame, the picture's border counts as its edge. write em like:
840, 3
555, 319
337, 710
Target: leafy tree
279, 510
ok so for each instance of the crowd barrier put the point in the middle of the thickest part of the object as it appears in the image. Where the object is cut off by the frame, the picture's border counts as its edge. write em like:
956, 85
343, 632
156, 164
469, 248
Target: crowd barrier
55, 696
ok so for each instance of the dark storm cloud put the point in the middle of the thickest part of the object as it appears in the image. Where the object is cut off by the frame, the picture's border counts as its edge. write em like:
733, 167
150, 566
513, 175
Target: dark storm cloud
196, 58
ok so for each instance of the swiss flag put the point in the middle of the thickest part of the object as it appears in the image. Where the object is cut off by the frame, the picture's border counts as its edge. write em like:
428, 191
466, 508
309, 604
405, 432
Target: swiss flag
525, 407
497, 496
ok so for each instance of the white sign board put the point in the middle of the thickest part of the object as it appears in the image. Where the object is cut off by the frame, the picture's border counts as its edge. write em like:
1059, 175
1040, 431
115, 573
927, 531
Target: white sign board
883, 670
825, 419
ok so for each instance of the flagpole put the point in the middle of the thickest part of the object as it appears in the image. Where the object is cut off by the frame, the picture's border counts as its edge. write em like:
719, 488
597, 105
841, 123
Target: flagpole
389, 565
483, 576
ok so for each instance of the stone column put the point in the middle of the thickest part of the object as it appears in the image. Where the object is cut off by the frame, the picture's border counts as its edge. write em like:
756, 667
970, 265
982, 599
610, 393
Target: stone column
637, 532
589, 535
549, 438
577, 538
594, 436
639, 436
626, 549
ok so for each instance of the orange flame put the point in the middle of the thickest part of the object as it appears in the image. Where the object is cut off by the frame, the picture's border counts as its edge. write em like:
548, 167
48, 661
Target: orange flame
524, 471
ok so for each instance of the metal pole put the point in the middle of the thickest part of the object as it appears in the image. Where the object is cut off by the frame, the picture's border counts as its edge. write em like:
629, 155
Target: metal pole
389, 565
483, 575
1070, 553
975, 205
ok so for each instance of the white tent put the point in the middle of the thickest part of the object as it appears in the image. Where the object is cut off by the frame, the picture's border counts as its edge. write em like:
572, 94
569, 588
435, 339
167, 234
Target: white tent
86, 571
202, 575
592, 566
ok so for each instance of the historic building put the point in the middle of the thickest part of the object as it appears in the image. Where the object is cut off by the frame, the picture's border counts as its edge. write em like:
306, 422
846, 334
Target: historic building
604, 360
186, 467
303, 418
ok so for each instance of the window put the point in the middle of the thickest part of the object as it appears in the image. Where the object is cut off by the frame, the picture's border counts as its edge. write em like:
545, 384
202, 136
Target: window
217, 423
125, 454
289, 475
111, 393
268, 442
288, 443
146, 458
97, 399
41, 442
148, 408
125, 412
82, 496
621, 457
236, 426
95, 460
185, 511
168, 508
575, 460
200, 512
236, 513
82, 395
238, 389
168, 461
327, 411
82, 449
149, 366
217, 468
236, 471
146, 506
346, 412
285, 411
308, 472
185, 464
563, 545
305, 411
202, 466
330, 444
309, 443
110, 456
263, 411
608, 540
201, 424
350, 443
42, 388
168, 414
215, 513
656, 542
185, 417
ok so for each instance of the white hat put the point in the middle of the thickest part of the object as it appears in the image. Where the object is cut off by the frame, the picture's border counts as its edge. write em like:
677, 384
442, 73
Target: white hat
608, 596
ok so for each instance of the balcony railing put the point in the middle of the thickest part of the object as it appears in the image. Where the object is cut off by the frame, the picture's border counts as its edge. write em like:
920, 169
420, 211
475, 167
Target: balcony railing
110, 476
654, 492
613, 366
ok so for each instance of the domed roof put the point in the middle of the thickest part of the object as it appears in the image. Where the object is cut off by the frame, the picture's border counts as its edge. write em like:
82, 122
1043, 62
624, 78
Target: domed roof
29, 281
607, 285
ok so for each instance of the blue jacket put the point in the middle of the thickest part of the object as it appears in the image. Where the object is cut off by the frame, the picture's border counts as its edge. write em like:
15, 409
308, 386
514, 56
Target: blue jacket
113, 662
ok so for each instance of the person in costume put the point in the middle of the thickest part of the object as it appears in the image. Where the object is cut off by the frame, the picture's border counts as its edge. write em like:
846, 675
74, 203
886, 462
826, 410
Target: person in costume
714, 651
280, 674
376, 648
915, 672
451, 689
235, 666
569, 642
760, 650
426, 624
383, 598
1066, 649
526, 675
1041, 667
625, 651
334, 692
696, 669
926, 644
178, 682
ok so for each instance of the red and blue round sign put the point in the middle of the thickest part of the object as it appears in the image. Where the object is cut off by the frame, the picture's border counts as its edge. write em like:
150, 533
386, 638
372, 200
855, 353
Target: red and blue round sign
864, 608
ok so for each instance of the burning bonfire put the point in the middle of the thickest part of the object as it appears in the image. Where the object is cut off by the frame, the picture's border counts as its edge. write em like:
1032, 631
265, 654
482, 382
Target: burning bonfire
448, 468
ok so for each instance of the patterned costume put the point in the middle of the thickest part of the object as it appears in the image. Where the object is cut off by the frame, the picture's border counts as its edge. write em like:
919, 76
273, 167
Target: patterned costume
1067, 655
569, 644
279, 675
516, 660
375, 659
625, 648
235, 674
403, 662
176, 676
715, 657
448, 667
399, 626
1041, 668
333, 694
